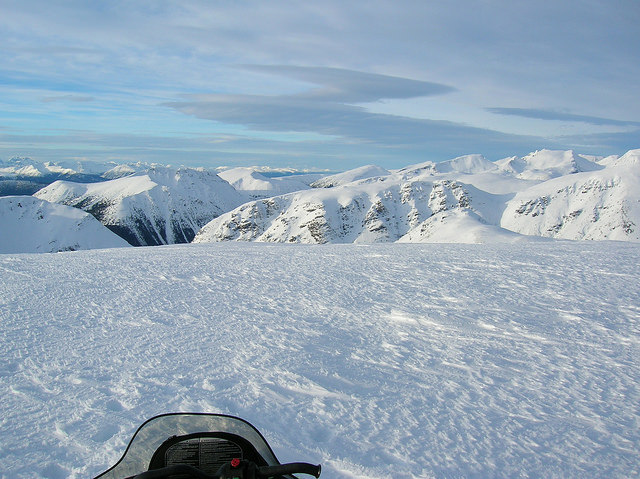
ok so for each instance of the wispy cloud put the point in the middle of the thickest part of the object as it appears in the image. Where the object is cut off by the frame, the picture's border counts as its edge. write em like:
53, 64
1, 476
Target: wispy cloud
327, 108
68, 98
618, 142
561, 116
349, 86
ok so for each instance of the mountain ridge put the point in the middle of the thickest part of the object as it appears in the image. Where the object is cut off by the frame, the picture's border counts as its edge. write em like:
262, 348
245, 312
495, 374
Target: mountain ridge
468, 199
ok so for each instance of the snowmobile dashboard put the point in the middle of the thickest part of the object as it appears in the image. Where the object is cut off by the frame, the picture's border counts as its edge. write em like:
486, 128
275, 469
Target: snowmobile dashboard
206, 451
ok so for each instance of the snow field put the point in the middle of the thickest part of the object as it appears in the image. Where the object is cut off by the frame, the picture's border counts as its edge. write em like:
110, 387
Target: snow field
378, 361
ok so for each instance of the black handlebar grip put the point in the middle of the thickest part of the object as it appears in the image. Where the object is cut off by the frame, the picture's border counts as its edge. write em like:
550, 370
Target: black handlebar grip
291, 468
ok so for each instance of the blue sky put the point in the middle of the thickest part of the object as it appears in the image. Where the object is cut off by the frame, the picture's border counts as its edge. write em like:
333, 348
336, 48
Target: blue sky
331, 84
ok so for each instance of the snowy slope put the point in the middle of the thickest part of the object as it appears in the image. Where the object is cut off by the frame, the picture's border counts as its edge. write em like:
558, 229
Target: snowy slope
379, 361
162, 206
547, 164
465, 164
256, 185
597, 205
361, 173
25, 176
630, 158
469, 169
30, 225
468, 199
27, 167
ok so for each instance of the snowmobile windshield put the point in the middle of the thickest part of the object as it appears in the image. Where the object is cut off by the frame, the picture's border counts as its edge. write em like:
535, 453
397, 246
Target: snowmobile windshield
156, 433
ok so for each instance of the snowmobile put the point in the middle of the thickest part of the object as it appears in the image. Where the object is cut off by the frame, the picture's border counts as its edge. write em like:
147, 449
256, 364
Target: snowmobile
201, 446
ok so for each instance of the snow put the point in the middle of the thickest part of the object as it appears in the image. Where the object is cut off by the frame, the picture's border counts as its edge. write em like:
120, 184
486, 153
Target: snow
465, 164
29, 167
378, 361
119, 171
460, 227
468, 199
356, 174
30, 225
257, 185
547, 164
630, 158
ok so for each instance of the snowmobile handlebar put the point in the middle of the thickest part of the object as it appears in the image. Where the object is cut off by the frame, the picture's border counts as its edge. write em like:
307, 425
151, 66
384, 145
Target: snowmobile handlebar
263, 472
291, 468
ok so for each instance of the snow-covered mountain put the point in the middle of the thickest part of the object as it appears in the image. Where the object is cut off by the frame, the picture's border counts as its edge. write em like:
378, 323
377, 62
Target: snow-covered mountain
25, 168
255, 185
596, 205
32, 225
547, 164
467, 199
554, 194
161, 206
375, 210
361, 173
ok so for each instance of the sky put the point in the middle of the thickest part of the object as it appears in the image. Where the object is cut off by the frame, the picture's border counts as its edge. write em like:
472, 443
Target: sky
316, 85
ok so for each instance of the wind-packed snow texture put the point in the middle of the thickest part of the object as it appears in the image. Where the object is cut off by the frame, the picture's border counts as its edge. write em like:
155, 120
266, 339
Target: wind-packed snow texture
378, 361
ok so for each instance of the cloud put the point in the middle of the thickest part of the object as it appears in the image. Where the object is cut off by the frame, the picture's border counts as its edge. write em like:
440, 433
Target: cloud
67, 98
328, 109
291, 113
606, 143
560, 116
348, 86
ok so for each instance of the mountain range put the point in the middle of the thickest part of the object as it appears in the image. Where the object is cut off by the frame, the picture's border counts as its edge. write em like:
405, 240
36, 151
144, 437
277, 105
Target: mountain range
546, 194
554, 194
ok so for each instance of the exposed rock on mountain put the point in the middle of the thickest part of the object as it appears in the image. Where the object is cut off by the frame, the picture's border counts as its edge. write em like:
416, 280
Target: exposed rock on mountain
25, 176
546, 194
